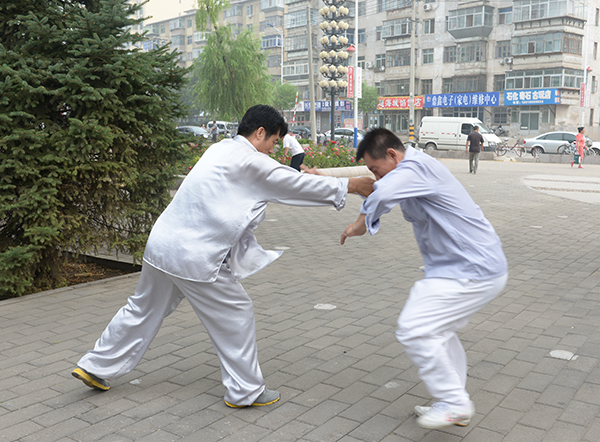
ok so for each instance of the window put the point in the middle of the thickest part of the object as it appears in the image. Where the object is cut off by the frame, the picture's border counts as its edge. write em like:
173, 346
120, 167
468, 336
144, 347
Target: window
469, 52
269, 4
295, 69
504, 16
379, 60
395, 28
234, 11
470, 17
473, 83
500, 115
548, 78
273, 61
361, 61
503, 49
250, 27
591, 117
390, 5
396, 87
275, 20
547, 43
271, 41
162, 29
178, 40
296, 42
429, 26
378, 32
427, 56
362, 36
190, 39
535, 9
200, 36
362, 8
450, 54
595, 53
498, 83
597, 17
400, 57
295, 19
196, 53
594, 84
190, 22
178, 23
426, 87
249, 10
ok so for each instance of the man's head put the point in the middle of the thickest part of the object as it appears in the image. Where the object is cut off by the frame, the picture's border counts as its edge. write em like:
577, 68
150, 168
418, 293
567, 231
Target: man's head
262, 125
381, 150
476, 128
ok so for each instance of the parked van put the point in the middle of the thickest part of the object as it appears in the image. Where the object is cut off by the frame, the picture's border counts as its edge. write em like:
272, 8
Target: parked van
225, 128
450, 133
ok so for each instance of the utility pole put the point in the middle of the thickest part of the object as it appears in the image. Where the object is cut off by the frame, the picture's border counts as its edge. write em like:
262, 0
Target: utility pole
311, 79
411, 86
355, 79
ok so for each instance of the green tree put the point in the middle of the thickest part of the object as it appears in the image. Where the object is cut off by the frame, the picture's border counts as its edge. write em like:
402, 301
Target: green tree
368, 102
88, 146
231, 71
284, 96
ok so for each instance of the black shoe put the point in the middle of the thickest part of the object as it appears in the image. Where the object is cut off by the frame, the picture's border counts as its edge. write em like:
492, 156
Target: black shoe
90, 380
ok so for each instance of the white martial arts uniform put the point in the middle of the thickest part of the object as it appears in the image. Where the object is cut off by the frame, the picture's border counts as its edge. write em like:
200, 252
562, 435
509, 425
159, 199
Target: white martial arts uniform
465, 267
211, 218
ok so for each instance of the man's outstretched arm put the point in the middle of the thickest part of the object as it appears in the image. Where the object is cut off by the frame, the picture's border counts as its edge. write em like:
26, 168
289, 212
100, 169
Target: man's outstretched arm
357, 229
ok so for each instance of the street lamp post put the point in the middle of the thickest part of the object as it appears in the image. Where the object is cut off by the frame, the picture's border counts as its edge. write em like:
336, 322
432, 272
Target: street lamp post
334, 58
282, 44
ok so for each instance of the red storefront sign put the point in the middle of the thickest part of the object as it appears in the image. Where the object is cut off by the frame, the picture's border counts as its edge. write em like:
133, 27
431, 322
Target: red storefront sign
395, 103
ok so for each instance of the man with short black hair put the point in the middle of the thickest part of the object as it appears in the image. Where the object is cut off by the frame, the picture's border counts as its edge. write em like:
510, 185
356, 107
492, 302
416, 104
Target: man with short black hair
474, 145
465, 267
202, 245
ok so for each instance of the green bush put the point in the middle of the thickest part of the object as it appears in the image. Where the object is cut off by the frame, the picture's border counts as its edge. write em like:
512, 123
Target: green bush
88, 146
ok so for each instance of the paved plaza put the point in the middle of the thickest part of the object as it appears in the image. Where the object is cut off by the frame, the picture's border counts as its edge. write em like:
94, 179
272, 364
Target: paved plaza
326, 316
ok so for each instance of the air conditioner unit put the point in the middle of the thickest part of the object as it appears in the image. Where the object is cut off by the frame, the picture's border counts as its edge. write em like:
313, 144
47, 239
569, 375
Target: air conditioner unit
368, 65
427, 7
381, 68
249, 15
502, 61
508, 60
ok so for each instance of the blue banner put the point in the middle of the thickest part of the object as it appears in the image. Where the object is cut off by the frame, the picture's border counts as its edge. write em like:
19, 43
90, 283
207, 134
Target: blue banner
467, 99
531, 96
325, 105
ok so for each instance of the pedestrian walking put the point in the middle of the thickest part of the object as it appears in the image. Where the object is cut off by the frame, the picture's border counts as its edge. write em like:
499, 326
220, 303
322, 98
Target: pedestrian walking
580, 140
290, 143
214, 131
465, 266
202, 245
474, 145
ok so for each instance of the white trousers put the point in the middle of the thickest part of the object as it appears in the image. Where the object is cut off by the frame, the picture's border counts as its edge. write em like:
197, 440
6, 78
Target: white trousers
436, 308
224, 308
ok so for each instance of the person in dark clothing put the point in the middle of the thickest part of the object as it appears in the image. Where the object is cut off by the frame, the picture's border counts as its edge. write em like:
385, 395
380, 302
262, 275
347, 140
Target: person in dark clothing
474, 146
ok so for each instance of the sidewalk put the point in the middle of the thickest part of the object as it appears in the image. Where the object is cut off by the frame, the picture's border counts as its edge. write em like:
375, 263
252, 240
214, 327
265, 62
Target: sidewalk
342, 375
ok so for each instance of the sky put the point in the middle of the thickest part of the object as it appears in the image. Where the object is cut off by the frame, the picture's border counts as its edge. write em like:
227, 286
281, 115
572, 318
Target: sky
165, 9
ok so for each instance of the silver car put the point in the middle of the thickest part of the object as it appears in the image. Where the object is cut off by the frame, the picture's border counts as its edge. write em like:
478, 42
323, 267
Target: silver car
551, 141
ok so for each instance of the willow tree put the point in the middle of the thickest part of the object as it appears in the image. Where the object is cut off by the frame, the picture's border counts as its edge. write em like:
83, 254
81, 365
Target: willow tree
231, 73
368, 102
88, 146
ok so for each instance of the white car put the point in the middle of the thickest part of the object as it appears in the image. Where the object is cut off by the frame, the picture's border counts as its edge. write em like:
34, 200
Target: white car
196, 131
345, 133
551, 141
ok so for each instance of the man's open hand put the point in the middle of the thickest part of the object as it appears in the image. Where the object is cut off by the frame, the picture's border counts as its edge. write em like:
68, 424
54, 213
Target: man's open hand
356, 229
362, 185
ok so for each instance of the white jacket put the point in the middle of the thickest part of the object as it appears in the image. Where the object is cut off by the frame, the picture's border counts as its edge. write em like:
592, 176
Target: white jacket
220, 204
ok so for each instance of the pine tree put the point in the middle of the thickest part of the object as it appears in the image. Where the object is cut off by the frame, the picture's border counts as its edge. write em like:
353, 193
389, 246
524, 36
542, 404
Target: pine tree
88, 145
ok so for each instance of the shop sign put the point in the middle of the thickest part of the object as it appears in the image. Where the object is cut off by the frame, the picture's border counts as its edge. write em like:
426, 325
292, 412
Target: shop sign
325, 105
395, 103
467, 99
531, 96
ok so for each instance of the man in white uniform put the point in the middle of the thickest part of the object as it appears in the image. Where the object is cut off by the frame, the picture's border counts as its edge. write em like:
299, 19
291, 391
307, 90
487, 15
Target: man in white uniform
291, 143
465, 267
202, 245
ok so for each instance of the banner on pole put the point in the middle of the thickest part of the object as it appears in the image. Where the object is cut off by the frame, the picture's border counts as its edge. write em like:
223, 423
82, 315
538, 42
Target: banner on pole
359, 82
582, 95
351, 82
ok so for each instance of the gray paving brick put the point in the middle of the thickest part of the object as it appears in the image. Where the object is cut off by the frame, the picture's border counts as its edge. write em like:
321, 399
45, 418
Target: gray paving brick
564, 432
375, 429
57, 431
541, 416
332, 430
522, 433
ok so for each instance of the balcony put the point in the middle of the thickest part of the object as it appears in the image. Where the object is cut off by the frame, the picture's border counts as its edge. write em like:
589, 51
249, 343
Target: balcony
471, 22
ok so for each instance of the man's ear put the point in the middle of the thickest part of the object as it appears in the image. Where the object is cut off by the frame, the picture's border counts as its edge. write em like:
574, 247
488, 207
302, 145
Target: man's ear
261, 133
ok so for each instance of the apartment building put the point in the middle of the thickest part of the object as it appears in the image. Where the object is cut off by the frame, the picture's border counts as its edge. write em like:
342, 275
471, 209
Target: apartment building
517, 63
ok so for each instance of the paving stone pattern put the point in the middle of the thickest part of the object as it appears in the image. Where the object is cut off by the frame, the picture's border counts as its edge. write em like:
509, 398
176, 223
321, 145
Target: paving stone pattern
342, 375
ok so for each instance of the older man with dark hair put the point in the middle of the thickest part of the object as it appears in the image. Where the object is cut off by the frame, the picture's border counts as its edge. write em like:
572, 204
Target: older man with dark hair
465, 267
202, 245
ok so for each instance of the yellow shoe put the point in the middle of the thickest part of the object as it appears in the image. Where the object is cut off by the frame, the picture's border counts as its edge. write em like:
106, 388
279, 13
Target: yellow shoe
90, 380
267, 397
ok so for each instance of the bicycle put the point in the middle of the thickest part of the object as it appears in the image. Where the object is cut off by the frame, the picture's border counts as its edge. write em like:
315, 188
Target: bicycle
517, 148
571, 149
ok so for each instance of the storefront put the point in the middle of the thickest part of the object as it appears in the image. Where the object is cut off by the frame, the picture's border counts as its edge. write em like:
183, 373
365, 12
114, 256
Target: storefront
468, 104
393, 113
532, 111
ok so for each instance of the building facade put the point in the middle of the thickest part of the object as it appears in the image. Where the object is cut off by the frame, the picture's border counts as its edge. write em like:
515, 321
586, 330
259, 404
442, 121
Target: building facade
520, 64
